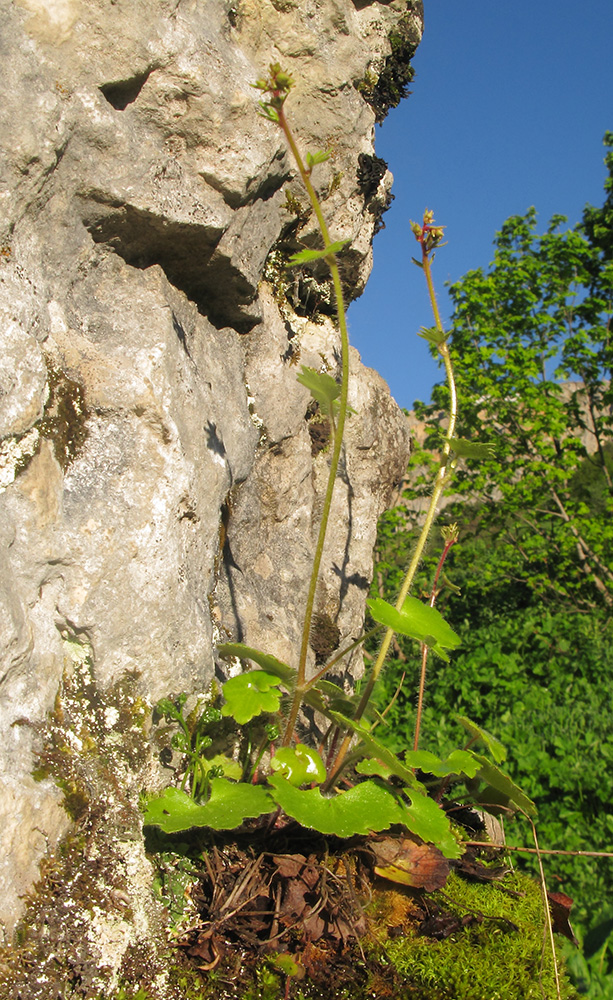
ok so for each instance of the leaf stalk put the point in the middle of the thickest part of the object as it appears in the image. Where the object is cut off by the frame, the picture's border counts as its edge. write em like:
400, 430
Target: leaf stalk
301, 682
429, 237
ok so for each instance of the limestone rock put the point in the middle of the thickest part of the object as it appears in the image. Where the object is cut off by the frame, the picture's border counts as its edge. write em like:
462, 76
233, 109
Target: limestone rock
157, 468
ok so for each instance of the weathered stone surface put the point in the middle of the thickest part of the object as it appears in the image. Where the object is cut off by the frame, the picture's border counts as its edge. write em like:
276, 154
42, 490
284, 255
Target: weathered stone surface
147, 372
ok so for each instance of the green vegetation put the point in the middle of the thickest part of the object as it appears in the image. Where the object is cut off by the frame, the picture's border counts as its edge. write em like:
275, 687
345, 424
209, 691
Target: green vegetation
386, 89
527, 634
403, 788
498, 955
529, 584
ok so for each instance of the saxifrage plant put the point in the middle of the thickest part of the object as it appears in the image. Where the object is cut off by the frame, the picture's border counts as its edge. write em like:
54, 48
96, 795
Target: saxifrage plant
386, 789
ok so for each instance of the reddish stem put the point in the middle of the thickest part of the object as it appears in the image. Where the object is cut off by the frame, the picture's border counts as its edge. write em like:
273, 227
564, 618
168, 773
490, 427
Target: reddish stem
424, 648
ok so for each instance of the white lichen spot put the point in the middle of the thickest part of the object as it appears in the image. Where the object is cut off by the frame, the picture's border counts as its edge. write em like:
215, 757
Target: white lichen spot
255, 419
57, 320
14, 453
51, 20
110, 937
111, 717
78, 653
235, 666
75, 741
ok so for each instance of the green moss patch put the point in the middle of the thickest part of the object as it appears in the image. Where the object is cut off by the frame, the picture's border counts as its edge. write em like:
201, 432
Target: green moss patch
496, 950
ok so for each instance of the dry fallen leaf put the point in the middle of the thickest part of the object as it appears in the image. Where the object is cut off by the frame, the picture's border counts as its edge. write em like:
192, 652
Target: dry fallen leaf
408, 861
560, 904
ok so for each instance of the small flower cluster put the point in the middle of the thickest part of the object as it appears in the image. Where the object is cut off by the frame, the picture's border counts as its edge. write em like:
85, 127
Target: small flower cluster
278, 85
427, 233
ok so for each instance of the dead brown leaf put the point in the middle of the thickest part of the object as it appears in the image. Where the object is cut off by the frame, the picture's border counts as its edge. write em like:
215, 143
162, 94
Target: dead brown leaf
409, 861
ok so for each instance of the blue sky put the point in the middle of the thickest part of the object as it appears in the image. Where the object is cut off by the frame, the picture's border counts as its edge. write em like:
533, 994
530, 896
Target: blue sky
509, 107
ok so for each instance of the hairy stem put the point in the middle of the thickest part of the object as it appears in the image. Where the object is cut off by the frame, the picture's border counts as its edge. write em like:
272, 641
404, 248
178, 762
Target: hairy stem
446, 466
338, 436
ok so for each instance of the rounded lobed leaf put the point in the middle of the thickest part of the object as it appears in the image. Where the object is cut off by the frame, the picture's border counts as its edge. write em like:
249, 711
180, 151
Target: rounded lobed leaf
366, 808
458, 762
426, 818
229, 805
250, 694
300, 765
417, 621
230, 767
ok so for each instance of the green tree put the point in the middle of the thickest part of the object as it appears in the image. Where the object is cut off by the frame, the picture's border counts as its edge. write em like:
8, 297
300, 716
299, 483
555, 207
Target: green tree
531, 341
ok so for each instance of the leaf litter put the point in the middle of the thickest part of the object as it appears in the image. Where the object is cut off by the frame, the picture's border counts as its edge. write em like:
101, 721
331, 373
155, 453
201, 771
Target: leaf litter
304, 896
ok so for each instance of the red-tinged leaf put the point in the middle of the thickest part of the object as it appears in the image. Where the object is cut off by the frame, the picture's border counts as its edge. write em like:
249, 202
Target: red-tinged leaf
560, 905
409, 861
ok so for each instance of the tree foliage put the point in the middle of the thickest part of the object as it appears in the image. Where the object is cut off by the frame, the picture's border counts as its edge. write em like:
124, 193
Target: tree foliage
531, 340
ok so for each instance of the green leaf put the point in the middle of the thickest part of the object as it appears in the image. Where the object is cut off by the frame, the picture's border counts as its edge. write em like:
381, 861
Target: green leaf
366, 808
285, 964
270, 663
231, 768
432, 333
171, 710
268, 112
418, 621
229, 805
425, 818
458, 762
494, 746
250, 694
378, 750
506, 786
323, 388
373, 768
304, 256
300, 766
472, 449
319, 157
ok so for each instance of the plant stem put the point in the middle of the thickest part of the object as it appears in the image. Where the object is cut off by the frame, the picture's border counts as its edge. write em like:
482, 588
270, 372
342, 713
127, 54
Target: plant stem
424, 649
445, 468
339, 656
541, 850
548, 922
338, 435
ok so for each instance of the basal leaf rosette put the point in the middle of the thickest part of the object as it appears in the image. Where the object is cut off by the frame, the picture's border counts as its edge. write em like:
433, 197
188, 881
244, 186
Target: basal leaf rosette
364, 809
368, 807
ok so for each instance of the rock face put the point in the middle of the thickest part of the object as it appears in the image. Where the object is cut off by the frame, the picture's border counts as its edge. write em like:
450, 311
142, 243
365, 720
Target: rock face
160, 482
